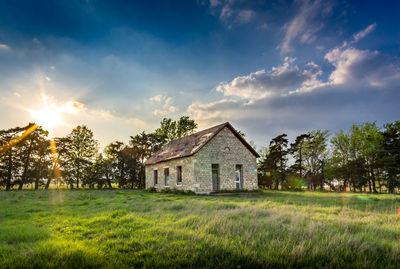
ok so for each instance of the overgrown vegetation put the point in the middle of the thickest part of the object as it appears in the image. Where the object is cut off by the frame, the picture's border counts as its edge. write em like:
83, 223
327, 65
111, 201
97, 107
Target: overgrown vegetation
74, 161
366, 158
125, 228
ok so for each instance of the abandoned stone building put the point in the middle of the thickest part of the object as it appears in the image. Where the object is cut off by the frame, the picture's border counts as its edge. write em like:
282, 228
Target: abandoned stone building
218, 158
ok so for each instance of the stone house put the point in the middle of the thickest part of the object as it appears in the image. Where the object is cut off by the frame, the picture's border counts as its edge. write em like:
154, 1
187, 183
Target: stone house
214, 159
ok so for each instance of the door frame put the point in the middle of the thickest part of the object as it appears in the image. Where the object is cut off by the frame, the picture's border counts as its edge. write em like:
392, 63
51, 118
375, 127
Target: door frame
216, 185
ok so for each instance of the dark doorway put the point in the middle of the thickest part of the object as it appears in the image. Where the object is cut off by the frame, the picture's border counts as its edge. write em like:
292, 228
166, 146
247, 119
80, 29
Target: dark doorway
215, 176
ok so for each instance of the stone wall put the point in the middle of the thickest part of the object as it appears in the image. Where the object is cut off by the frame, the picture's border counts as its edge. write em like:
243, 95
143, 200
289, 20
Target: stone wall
225, 150
187, 174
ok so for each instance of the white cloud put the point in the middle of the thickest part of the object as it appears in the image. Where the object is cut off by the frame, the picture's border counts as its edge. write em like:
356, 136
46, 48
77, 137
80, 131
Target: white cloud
245, 16
293, 100
157, 98
364, 33
277, 81
263, 26
214, 112
301, 26
354, 66
4, 47
230, 12
163, 104
345, 61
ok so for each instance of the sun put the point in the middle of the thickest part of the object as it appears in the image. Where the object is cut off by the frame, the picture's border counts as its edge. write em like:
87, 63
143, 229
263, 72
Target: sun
49, 116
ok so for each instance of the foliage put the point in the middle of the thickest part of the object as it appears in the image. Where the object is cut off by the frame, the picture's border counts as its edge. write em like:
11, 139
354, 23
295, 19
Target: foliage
170, 130
80, 149
390, 154
276, 159
364, 158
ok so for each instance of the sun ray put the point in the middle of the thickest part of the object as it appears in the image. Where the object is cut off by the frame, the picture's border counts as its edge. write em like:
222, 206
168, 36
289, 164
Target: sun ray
13, 141
56, 169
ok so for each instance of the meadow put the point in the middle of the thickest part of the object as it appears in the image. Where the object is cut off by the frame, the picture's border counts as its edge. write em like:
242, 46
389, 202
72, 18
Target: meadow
125, 228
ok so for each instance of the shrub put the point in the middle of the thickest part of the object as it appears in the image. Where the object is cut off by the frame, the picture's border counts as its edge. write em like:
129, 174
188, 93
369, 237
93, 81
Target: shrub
152, 189
176, 191
295, 183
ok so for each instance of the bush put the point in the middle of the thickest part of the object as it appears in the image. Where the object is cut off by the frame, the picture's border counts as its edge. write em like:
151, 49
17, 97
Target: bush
176, 191
152, 189
295, 183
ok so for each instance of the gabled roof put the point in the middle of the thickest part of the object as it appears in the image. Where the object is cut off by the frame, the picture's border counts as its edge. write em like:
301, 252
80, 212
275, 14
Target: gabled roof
189, 145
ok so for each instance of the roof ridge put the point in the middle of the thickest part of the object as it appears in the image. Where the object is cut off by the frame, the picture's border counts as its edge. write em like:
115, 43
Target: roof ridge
222, 124
188, 145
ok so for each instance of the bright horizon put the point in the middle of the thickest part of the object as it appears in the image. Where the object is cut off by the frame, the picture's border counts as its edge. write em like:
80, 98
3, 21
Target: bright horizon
267, 68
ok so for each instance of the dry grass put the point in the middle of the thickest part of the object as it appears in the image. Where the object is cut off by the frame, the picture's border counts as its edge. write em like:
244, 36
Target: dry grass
122, 228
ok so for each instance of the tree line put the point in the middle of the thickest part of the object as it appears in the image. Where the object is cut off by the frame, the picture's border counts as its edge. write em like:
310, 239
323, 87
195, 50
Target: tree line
75, 160
365, 158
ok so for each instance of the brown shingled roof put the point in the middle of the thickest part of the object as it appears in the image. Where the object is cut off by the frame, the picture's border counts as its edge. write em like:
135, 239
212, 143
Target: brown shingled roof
189, 145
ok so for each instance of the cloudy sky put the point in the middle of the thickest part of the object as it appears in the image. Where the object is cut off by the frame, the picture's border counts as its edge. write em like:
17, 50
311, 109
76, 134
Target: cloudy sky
267, 67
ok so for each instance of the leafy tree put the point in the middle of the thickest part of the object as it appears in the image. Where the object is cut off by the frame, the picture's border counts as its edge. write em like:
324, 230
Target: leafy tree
80, 150
96, 173
42, 159
146, 144
276, 160
185, 126
390, 154
17, 145
170, 130
296, 150
315, 154
366, 145
127, 164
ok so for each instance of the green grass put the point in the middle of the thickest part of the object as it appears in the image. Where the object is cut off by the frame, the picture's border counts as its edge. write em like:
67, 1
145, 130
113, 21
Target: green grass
124, 228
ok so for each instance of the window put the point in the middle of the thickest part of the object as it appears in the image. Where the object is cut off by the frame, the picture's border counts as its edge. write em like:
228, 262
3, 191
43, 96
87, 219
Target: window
239, 176
166, 176
155, 177
179, 175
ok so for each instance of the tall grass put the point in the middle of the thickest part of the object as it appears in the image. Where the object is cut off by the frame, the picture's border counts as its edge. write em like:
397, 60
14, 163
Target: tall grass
123, 228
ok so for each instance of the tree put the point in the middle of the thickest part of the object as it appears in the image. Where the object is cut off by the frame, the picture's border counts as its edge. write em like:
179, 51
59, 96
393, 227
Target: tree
341, 155
80, 151
366, 145
390, 154
113, 153
170, 130
276, 160
17, 145
96, 173
295, 150
127, 164
315, 154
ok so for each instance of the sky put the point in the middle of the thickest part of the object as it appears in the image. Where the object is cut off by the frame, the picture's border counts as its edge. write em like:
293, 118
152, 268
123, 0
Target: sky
267, 67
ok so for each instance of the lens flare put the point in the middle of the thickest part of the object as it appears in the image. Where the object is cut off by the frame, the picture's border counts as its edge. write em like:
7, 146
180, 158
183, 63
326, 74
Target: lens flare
48, 117
15, 140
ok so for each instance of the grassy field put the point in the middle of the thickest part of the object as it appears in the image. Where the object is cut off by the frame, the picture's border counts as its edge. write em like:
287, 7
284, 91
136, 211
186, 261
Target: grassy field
123, 228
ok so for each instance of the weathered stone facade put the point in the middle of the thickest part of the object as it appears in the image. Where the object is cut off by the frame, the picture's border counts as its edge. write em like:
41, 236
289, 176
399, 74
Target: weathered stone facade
226, 150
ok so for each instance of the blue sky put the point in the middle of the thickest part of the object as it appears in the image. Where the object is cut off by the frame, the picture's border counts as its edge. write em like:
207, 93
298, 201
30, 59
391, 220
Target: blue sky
268, 67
